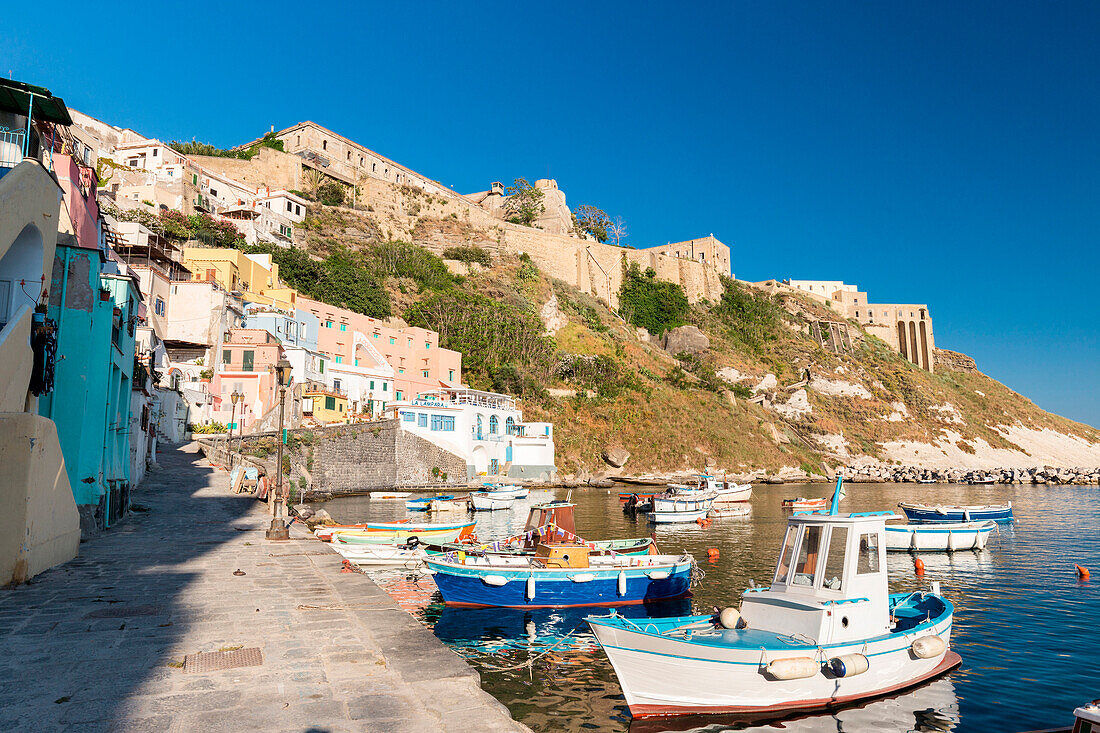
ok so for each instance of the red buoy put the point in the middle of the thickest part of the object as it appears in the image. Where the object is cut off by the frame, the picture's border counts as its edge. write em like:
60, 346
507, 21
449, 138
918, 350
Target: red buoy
918, 566
1082, 573
713, 552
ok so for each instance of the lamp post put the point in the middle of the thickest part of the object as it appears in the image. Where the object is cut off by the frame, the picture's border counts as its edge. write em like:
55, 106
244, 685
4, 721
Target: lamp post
234, 398
278, 529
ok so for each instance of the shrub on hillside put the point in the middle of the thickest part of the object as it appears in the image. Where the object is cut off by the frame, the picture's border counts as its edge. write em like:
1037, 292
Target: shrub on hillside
402, 259
331, 194
656, 305
469, 254
752, 317
604, 374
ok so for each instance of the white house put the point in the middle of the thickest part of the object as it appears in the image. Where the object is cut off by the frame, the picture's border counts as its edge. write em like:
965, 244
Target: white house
485, 428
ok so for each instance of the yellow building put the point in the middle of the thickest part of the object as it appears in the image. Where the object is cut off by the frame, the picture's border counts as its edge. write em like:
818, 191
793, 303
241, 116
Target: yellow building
255, 276
324, 404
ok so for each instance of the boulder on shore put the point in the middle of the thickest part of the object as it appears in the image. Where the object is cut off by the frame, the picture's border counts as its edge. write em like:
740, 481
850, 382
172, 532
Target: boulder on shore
686, 339
616, 457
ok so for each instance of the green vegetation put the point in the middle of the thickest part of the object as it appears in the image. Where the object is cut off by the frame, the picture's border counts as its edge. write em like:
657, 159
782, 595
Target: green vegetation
196, 148
606, 375
590, 220
469, 254
524, 203
180, 227
752, 318
656, 305
331, 193
214, 427
342, 279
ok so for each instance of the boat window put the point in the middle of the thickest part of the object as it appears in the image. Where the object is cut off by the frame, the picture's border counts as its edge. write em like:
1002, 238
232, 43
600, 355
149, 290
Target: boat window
834, 559
806, 565
785, 555
868, 553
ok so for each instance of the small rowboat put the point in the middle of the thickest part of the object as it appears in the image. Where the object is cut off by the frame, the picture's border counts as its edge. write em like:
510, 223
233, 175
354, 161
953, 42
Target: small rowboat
803, 503
380, 553
729, 510
938, 537
449, 504
487, 501
423, 503
669, 509
734, 493
375, 495
507, 490
397, 531
933, 513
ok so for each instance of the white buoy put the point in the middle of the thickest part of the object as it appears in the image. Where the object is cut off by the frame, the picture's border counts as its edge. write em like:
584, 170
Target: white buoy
622, 583
729, 617
950, 541
793, 668
658, 574
848, 665
494, 580
928, 647
913, 539
531, 588
582, 577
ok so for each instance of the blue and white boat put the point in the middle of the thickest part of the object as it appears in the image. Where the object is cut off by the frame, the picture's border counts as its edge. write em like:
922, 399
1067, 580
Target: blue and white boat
826, 633
505, 491
927, 513
422, 503
938, 536
560, 576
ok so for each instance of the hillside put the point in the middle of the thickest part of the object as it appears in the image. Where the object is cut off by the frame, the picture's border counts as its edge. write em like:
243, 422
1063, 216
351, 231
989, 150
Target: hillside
765, 394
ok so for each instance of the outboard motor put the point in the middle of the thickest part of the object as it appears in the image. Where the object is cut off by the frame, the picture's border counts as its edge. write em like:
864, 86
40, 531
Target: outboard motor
630, 507
412, 543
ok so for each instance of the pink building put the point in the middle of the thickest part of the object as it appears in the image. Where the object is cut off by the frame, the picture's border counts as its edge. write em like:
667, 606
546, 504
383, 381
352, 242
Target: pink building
245, 365
419, 364
79, 185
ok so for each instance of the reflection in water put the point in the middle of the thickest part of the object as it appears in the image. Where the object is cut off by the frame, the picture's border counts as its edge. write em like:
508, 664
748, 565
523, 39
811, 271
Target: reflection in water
1021, 617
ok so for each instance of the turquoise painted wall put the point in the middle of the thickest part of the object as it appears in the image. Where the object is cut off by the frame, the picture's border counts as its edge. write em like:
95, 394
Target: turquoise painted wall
90, 403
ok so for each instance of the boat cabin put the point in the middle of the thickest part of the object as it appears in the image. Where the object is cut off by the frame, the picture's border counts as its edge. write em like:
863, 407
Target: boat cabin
830, 583
559, 513
562, 555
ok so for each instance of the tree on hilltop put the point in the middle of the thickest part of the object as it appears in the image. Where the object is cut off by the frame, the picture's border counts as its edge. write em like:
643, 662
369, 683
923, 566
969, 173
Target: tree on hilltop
591, 220
524, 203
617, 232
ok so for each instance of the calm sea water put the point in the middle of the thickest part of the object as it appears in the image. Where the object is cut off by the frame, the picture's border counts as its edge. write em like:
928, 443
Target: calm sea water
1027, 629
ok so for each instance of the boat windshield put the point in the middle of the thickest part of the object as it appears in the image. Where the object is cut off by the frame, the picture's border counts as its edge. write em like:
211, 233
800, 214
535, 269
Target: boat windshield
785, 556
868, 554
834, 559
805, 567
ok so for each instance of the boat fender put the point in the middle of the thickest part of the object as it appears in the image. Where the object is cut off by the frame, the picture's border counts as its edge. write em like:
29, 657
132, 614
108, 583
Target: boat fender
582, 577
849, 665
918, 567
951, 544
494, 580
531, 588
658, 574
793, 668
729, 618
622, 583
928, 647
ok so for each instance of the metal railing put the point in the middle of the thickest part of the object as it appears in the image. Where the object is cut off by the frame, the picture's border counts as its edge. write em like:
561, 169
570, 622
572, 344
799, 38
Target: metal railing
13, 143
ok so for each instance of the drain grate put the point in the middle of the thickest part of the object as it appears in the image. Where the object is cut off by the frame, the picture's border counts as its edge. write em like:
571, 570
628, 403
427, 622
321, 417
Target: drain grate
214, 661
120, 611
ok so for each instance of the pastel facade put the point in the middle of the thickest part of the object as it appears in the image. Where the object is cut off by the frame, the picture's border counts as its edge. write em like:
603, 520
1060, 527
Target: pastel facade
254, 276
246, 364
324, 404
486, 429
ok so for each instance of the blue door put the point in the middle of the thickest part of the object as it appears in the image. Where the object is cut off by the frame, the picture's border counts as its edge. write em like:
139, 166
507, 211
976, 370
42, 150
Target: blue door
508, 454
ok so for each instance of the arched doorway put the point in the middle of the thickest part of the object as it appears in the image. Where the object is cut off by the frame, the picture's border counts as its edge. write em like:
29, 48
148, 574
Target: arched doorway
481, 460
21, 274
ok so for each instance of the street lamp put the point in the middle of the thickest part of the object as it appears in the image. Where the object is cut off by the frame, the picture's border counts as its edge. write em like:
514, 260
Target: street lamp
234, 398
278, 529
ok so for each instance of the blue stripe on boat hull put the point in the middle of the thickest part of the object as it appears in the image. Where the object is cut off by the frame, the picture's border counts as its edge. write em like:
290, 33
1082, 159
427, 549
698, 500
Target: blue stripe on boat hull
931, 517
470, 590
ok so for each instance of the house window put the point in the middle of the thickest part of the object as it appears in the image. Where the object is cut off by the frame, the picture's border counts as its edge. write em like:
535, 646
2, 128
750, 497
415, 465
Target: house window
393, 340
328, 324
330, 403
159, 306
399, 394
422, 420
343, 327
339, 360
408, 416
449, 424
357, 362
385, 386
324, 145
376, 335
297, 209
289, 206
373, 167
372, 384
154, 152
336, 384
401, 371
494, 425
213, 192
427, 344
194, 179
437, 422
450, 375
425, 373
249, 359
226, 356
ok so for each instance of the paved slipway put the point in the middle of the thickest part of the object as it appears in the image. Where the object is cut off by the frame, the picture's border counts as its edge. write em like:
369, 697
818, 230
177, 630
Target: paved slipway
90, 645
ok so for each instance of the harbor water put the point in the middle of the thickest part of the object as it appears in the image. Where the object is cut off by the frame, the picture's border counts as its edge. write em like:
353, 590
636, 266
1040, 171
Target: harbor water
1025, 626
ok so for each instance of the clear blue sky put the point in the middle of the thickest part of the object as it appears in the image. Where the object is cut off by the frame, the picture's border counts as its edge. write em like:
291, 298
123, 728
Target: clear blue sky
937, 152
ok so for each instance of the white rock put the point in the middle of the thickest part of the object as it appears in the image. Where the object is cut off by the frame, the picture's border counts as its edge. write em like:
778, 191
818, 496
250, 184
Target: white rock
840, 388
731, 375
797, 406
553, 320
767, 383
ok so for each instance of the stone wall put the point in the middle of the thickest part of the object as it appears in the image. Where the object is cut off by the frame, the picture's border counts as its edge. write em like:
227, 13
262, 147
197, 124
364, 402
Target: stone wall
953, 361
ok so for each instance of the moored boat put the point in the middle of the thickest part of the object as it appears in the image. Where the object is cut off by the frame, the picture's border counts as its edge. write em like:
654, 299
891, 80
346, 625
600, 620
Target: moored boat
487, 501
449, 504
397, 531
938, 537
390, 494
729, 510
408, 553
929, 513
804, 503
826, 633
503, 491
625, 496
423, 503
672, 508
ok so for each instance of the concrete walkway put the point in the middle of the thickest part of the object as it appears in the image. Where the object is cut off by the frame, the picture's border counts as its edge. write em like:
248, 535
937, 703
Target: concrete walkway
97, 643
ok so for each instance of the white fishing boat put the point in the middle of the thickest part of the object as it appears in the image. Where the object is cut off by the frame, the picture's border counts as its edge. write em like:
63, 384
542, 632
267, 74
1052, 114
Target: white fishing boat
449, 504
942, 537
514, 491
671, 508
407, 553
376, 495
487, 501
827, 632
739, 509
733, 494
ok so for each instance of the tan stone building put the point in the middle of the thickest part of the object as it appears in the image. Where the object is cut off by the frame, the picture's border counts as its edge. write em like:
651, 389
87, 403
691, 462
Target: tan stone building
707, 250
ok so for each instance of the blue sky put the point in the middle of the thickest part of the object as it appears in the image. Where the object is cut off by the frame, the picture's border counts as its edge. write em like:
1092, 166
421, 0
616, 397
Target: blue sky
938, 152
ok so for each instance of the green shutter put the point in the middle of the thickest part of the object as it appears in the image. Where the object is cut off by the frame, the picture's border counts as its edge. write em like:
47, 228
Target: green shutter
226, 356
330, 403
249, 358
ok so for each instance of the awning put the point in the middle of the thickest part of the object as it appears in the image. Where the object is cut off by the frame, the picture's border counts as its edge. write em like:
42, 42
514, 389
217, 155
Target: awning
15, 96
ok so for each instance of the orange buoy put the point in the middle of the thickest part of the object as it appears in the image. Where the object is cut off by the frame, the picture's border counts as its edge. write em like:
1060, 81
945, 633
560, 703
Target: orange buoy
1082, 573
345, 567
918, 566
712, 552
700, 521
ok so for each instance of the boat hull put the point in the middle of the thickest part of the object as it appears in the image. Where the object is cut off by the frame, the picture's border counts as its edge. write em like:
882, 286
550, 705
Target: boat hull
380, 554
397, 531
662, 675
926, 514
467, 586
675, 516
483, 503
938, 537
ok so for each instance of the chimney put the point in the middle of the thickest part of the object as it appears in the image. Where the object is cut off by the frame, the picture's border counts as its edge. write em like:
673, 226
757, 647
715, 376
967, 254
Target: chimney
273, 128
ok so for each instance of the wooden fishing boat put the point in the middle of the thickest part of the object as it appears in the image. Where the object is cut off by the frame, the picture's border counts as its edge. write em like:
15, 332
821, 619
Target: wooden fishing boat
449, 504
376, 495
673, 508
826, 633
981, 480
939, 536
423, 503
487, 501
629, 546
409, 553
945, 513
740, 509
801, 503
397, 531
559, 575
734, 494
1086, 719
